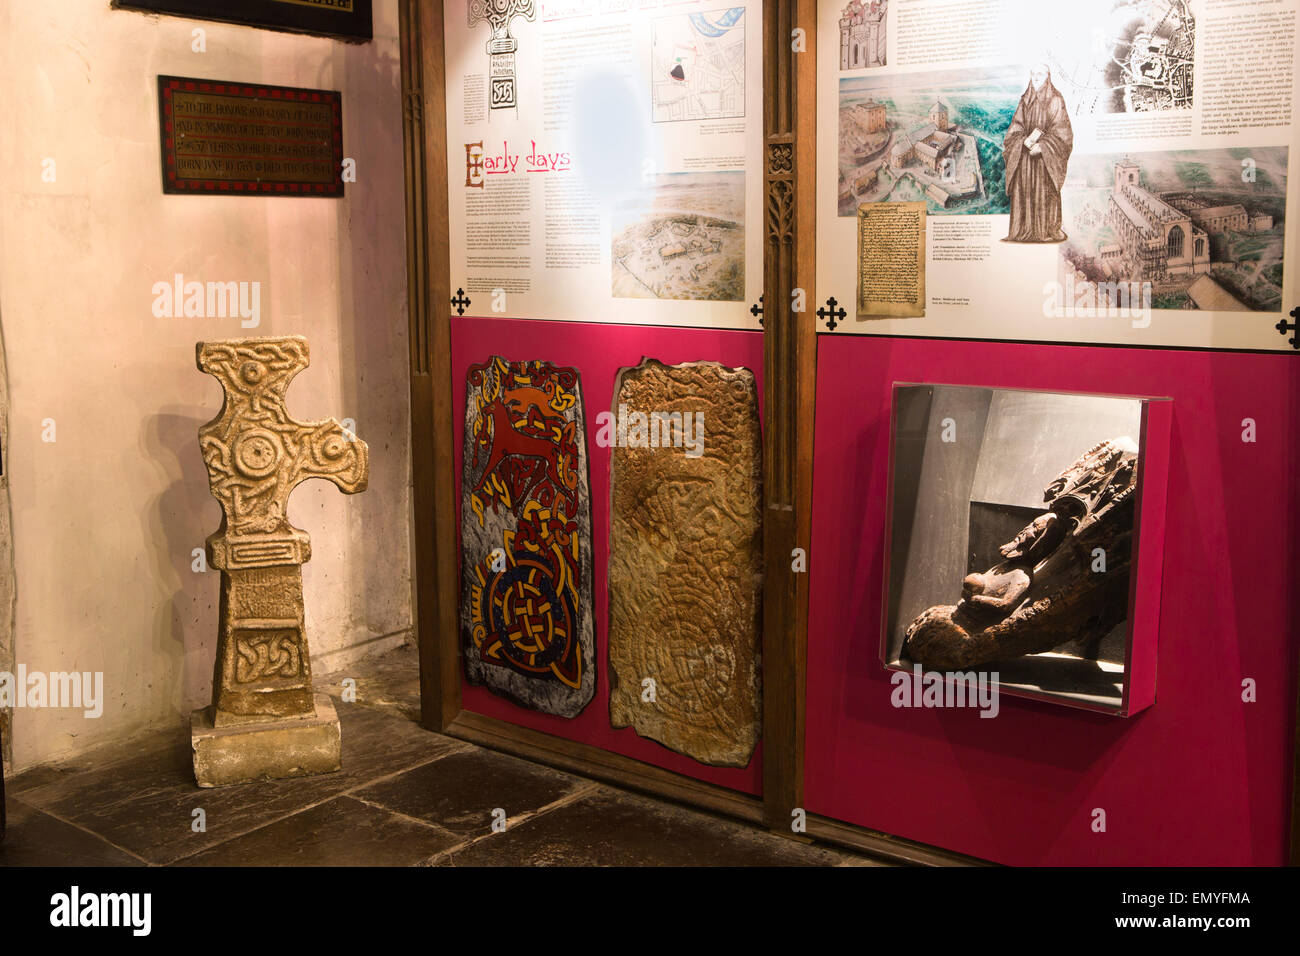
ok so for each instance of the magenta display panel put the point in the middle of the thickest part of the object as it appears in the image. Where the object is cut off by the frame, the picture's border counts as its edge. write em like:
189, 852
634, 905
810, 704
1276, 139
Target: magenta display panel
598, 351
1201, 777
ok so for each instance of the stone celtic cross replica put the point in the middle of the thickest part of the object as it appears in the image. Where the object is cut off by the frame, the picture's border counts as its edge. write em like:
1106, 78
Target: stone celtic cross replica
265, 721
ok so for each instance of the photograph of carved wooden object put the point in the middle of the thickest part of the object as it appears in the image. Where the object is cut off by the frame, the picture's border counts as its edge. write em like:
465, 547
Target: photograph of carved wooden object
1015, 517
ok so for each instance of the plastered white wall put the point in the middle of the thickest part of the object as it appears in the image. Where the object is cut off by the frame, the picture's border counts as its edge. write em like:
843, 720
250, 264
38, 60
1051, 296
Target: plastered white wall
106, 516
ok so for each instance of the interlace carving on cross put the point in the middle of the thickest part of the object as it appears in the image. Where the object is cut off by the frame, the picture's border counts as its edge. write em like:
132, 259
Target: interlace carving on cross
256, 454
498, 14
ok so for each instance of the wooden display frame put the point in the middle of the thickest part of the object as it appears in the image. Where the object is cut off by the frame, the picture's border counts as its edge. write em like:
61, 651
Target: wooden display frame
789, 368
790, 361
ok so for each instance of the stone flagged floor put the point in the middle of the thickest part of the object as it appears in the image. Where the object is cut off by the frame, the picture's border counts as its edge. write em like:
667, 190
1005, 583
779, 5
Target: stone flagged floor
405, 797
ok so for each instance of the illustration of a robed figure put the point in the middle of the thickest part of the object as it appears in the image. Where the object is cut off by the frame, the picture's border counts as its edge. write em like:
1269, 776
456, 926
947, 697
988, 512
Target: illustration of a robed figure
1036, 150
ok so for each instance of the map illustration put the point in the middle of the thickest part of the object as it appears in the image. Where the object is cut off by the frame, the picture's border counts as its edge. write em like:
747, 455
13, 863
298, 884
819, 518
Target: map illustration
697, 66
1138, 58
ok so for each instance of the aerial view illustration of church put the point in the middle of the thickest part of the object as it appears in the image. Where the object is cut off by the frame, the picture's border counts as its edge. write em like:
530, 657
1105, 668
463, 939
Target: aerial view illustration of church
1203, 235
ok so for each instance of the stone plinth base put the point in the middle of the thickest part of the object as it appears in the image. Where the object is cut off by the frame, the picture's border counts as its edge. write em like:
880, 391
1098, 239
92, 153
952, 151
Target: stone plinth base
296, 747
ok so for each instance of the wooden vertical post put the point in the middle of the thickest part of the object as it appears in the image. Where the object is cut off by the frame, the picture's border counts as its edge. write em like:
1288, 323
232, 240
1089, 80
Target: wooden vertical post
428, 266
789, 375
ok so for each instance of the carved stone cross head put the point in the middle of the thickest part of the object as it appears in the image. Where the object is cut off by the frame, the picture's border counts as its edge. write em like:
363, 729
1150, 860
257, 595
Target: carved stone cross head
498, 14
255, 453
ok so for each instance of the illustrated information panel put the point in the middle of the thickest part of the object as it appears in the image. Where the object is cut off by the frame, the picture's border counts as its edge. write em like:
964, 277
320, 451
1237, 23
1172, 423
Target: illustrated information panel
1113, 171
612, 160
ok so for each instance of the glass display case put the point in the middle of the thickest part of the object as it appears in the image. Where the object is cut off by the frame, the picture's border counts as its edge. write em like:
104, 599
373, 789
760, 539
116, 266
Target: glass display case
1016, 523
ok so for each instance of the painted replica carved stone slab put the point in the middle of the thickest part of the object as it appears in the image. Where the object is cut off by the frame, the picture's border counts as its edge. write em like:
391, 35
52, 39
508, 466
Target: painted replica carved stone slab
265, 720
526, 567
1045, 592
685, 566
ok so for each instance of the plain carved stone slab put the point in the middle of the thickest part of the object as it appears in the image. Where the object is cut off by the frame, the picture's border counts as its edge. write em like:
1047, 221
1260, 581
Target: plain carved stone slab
685, 566
526, 568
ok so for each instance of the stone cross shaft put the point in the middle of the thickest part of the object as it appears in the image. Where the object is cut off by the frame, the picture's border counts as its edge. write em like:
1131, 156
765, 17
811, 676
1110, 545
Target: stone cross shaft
256, 455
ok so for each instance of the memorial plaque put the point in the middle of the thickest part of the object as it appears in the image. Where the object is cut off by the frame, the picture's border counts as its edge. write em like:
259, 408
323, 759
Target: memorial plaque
224, 138
685, 559
347, 19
